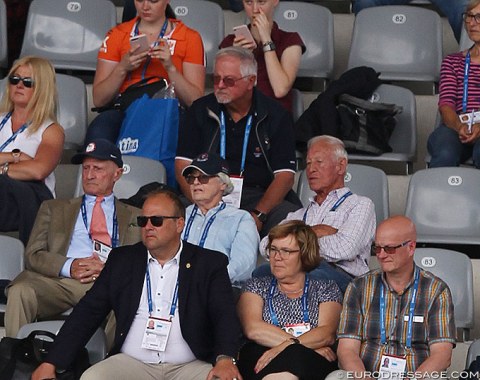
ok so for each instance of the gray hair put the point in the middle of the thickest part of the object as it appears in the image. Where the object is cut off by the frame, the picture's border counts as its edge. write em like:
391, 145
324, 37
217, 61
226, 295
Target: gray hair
337, 145
248, 64
224, 178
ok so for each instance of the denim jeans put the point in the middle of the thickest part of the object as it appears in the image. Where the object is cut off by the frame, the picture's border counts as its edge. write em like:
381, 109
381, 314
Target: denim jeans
452, 9
324, 271
446, 149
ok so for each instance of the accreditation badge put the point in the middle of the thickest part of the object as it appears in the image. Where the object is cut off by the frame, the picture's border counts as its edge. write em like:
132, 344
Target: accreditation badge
101, 249
297, 329
392, 364
156, 334
235, 197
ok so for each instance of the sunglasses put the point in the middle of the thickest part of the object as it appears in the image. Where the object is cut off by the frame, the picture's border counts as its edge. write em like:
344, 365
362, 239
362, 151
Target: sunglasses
376, 249
227, 81
156, 220
202, 178
27, 81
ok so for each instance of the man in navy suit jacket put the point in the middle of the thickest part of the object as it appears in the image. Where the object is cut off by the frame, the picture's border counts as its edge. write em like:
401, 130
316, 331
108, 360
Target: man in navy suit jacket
183, 288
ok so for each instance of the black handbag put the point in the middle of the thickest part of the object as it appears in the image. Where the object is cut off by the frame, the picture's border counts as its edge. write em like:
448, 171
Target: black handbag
366, 127
135, 91
20, 357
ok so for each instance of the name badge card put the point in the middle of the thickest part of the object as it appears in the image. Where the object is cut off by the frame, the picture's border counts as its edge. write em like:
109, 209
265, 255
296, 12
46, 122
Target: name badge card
392, 364
156, 334
235, 197
297, 329
102, 250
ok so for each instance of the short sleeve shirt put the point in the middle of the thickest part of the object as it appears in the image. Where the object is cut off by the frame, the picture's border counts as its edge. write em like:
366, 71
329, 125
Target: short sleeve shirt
185, 46
289, 310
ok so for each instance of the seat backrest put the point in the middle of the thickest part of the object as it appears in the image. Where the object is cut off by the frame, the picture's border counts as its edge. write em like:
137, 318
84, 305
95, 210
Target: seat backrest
3, 35
206, 17
137, 171
72, 109
297, 104
404, 136
455, 268
473, 352
465, 41
11, 257
68, 33
314, 23
96, 346
443, 204
362, 180
387, 38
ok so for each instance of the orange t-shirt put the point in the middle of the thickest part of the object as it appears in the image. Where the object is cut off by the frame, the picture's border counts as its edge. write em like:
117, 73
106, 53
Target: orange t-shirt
185, 46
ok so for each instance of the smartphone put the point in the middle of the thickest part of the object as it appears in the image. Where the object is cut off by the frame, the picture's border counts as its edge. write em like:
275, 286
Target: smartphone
243, 31
140, 40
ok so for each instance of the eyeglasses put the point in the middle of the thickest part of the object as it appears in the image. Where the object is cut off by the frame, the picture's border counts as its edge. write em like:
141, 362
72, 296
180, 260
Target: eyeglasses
156, 220
227, 81
202, 178
376, 249
27, 81
284, 253
467, 17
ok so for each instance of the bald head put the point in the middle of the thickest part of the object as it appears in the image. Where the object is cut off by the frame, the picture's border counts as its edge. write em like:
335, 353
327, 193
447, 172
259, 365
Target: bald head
399, 227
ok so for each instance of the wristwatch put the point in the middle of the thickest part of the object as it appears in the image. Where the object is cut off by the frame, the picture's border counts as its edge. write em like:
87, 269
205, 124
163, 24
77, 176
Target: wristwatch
16, 155
262, 217
220, 357
268, 46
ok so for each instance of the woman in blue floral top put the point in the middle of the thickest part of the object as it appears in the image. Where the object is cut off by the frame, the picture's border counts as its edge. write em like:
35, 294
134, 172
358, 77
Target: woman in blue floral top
289, 318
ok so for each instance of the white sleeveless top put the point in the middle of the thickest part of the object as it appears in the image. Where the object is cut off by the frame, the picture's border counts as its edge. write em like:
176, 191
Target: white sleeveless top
27, 143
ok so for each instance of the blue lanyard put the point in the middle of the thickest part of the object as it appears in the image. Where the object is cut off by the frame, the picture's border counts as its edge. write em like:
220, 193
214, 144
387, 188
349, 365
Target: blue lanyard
273, 315
223, 140
465, 82
115, 223
334, 207
207, 227
12, 137
160, 36
408, 343
149, 296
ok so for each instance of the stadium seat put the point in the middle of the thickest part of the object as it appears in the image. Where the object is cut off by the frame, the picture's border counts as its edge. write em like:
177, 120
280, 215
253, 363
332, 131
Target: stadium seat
137, 171
3, 35
297, 104
314, 23
443, 204
465, 41
473, 352
96, 346
362, 180
455, 269
404, 137
403, 43
68, 33
205, 17
11, 262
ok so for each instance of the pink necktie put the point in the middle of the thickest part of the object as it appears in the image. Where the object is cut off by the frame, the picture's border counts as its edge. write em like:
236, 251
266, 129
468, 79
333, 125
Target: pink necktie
98, 225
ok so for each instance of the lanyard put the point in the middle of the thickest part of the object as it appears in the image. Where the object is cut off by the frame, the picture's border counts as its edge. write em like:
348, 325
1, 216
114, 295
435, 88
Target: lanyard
160, 36
12, 137
207, 227
334, 207
149, 296
273, 315
408, 343
223, 140
115, 223
465, 82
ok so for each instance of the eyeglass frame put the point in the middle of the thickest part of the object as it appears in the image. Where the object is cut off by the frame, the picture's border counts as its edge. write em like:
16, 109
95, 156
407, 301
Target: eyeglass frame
468, 15
387, 248
231, 82
28, 82
201, 178
155, 220
284, 253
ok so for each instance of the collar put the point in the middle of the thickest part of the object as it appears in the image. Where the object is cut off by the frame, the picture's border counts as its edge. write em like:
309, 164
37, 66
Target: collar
210, 211
335, 193
409, 285
258, 108
175, 260
109, 199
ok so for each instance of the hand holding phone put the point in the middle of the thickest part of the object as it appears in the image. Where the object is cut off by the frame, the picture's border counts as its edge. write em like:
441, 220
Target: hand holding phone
140, 42
243, 32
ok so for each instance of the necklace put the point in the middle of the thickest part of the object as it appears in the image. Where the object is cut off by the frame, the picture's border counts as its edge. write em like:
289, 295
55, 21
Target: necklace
290, 291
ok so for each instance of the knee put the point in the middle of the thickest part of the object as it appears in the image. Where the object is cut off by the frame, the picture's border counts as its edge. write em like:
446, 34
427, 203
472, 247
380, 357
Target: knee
21, 292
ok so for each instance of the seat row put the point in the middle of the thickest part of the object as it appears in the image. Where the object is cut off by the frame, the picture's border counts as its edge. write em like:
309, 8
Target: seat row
385, 38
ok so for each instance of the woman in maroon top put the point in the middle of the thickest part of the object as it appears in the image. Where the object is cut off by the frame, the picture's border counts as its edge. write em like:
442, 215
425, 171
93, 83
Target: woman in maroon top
277, 52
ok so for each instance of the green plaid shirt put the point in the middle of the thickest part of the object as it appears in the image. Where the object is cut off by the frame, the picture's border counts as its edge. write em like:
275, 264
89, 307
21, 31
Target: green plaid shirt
360, 318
